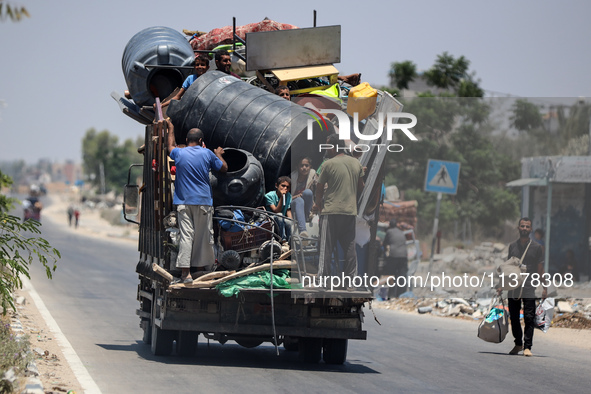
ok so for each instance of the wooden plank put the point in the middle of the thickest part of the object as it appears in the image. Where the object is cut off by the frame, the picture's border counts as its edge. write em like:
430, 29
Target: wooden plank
162, 272
279, 264
293, 74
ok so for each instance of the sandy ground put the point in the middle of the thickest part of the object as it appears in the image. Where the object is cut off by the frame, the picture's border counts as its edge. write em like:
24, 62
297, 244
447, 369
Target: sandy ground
56, 374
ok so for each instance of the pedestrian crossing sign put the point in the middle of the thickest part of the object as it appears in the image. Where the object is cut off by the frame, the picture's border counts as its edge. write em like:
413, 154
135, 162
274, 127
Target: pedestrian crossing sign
442, 176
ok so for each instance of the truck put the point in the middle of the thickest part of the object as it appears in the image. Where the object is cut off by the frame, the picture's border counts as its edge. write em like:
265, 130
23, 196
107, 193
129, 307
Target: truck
262, 135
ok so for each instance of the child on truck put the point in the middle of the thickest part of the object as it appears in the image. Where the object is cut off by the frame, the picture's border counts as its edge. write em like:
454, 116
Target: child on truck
201, 67
279, 201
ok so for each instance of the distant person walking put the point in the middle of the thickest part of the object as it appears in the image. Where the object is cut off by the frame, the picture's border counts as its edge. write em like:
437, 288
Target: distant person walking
396, 254
70, 215
76, 216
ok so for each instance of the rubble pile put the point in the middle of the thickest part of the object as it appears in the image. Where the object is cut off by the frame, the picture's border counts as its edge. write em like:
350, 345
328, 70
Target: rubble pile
483, 258
569, 313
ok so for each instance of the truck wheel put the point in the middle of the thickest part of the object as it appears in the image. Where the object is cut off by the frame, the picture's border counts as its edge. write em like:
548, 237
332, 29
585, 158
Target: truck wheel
248, 343
310, 350
334, 350
147, 338
186, 343
290, 344
161, 341
146, 306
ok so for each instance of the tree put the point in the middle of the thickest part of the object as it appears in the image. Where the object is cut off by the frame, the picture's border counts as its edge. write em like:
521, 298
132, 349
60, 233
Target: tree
526, 116
455, 126
18, 250
12, 12
103, 149
402, 73
452, 74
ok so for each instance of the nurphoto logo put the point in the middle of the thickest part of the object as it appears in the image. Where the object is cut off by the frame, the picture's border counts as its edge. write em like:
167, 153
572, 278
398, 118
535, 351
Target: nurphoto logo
345, 129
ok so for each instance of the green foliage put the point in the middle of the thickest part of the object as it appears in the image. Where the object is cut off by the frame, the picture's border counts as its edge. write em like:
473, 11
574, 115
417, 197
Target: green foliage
402, 73
452, 74
447, 72
577, 123
18, 250
13, 12
526, 116
456, 129
565, 132
104, 148
6, 203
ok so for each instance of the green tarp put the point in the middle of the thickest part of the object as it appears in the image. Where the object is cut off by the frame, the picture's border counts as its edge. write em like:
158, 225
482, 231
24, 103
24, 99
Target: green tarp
257, 280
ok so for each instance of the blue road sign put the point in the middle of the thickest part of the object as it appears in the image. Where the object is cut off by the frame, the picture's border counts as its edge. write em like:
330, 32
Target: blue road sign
442, 176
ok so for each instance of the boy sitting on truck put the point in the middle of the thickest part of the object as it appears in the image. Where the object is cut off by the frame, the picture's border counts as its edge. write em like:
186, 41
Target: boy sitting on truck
279, 201
201, 67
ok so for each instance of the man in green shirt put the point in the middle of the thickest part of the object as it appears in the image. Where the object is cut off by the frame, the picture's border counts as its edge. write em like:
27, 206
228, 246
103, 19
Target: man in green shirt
342, 177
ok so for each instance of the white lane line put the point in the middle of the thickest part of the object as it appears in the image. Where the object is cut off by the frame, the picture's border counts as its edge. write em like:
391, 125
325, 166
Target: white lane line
88, 384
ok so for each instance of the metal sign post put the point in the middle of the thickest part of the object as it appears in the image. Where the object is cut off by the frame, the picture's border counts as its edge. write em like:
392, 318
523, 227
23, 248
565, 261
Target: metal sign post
442, 177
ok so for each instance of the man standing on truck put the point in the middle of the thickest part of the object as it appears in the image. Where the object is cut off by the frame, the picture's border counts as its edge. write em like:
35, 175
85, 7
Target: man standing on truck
193, 198
337, 206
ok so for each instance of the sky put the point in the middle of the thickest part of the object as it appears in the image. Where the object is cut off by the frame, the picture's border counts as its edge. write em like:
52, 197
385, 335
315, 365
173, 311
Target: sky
59, 67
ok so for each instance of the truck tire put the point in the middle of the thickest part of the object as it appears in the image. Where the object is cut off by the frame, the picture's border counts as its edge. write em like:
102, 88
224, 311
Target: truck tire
290, 344
186, 343
248, 343
334, 351
161, 341
310, 350
147, 338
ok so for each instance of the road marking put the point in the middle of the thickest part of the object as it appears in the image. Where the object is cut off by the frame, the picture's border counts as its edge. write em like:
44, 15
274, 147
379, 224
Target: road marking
88, 384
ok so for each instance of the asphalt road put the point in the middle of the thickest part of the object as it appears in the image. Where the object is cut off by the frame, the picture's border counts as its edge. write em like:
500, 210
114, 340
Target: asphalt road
92, 297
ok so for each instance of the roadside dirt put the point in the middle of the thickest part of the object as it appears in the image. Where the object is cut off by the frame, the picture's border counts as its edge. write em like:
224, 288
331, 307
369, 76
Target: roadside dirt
54, 371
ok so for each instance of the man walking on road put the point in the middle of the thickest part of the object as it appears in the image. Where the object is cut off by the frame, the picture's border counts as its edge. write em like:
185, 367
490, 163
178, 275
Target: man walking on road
534, 260
193, 198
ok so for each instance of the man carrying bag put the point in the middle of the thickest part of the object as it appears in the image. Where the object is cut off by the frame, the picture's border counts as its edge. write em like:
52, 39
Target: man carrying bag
531, 255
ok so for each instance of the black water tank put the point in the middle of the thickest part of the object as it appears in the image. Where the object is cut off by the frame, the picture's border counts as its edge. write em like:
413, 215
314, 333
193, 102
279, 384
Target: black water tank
242, 184
157, 45
235, 114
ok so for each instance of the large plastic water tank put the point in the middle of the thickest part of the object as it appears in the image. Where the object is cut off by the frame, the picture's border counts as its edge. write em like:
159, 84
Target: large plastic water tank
155, 46
242, 184
235, 114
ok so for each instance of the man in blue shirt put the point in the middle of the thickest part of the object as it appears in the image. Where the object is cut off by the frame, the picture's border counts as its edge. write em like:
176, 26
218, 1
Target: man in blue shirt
193, 198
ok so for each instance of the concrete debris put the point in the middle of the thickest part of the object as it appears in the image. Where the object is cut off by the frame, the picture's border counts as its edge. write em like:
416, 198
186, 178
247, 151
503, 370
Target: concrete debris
499, 248
34, 386
564, 307
9, 376
579, 316
466, 309
459, 301
32, 370
39, 352
454, 310
20, 300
